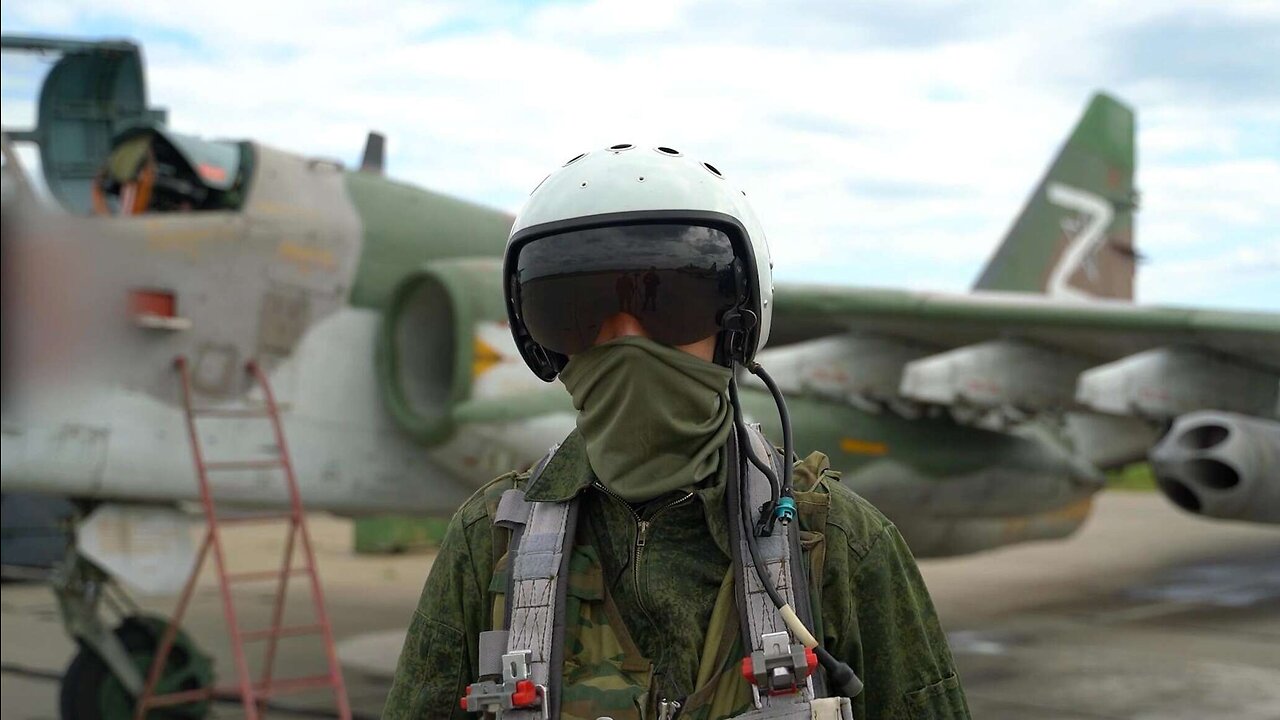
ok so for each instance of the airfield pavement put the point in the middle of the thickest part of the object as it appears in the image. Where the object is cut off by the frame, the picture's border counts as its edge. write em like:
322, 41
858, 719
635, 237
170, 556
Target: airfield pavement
1146, 613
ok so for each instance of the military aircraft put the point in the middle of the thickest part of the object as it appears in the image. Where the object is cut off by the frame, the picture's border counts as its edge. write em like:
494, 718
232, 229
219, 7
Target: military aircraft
972, 420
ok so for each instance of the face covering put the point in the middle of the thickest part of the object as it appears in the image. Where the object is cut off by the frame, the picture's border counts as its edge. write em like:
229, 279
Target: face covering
653, 417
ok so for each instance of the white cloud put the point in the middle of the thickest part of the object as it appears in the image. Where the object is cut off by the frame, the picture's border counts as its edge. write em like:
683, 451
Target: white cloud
1204, 203
1239, 276
880, 142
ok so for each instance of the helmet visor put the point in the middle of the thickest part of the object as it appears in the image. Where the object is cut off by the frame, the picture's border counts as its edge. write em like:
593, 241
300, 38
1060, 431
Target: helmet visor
676, 280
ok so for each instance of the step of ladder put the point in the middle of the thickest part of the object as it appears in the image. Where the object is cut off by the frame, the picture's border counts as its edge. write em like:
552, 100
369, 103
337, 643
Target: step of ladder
259, 464
250, 692
283, 631
254, 518
218, 412
261, 575
286, 686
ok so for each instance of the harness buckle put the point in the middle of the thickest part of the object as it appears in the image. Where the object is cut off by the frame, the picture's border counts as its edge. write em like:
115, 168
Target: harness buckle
781, 667
515, 665
516, 691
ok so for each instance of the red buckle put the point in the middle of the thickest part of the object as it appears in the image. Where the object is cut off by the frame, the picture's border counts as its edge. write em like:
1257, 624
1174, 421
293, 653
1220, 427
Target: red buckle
526, 694
811, 662
463, 702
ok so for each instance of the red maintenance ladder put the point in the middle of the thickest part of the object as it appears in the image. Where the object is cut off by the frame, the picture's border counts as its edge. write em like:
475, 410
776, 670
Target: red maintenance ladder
253, 695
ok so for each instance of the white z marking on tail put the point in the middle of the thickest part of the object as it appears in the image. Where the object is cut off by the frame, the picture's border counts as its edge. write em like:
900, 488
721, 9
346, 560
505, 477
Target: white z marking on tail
1086, 240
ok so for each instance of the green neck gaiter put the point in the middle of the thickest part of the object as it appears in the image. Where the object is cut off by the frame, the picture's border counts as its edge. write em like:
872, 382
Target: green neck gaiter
654, 418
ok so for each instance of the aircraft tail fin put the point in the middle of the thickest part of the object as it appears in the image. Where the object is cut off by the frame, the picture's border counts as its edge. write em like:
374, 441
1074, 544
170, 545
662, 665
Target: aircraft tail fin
1074, 236
373, 160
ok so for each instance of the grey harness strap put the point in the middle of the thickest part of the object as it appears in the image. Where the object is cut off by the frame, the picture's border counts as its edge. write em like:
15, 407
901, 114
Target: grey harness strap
540, 577
758, 612
530, 650
513, 510
765, 633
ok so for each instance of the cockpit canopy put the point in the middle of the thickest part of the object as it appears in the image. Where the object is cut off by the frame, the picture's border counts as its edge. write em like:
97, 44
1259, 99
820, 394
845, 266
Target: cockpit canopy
104, 149
154, 170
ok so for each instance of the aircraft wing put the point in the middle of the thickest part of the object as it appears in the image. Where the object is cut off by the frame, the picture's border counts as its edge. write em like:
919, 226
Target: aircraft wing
1100, 330
1115, 375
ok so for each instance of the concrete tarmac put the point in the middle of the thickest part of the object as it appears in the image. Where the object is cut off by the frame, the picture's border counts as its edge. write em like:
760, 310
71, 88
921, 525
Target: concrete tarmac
1146, 613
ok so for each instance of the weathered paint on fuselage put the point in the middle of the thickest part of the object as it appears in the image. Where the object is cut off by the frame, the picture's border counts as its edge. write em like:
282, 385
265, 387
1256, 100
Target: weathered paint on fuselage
293, 279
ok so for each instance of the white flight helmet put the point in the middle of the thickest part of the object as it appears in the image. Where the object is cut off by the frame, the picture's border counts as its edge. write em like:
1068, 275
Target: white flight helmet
642, 230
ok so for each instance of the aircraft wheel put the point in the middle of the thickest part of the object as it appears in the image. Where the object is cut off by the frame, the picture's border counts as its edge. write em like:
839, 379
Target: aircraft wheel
91, 692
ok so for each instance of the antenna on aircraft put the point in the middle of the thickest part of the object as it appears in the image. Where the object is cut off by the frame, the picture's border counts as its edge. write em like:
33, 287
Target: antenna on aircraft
374, 157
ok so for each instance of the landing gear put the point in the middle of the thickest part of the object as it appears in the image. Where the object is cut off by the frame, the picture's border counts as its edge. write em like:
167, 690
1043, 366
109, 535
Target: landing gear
108, 673
90, 691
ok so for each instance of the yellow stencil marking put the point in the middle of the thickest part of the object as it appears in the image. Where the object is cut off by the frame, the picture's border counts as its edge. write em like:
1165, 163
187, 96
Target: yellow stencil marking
185, 241
1017, 527
484, 356
863, 447
268, 207
307, 258
1077, 510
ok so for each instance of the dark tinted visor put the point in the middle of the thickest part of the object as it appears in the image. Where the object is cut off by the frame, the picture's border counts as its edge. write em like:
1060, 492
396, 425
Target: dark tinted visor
677, 280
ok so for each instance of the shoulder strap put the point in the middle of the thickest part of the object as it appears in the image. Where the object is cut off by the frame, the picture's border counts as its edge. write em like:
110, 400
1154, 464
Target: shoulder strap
764, 632
531, 645
509, 519
539, 583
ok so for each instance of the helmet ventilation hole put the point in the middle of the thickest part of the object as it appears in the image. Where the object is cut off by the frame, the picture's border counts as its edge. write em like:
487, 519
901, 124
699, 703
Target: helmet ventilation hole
640, 179
584, 184
669, 151
712, 169
575, 159
620, 147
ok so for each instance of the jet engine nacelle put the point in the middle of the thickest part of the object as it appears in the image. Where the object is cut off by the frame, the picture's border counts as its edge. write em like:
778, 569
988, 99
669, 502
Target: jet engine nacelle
444, 328
1221, 465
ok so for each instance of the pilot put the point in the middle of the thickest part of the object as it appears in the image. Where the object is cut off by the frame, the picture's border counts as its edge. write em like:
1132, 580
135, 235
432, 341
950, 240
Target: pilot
664, 560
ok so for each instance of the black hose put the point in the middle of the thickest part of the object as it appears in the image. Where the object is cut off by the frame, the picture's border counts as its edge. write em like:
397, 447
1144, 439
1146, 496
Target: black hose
744, 446
839, 674
748, 527
784, 417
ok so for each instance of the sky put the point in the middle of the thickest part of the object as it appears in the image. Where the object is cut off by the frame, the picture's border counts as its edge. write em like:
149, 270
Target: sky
882, 142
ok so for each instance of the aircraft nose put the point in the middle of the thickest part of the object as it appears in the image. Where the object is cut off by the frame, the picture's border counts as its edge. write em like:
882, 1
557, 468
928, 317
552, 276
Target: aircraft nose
53, 299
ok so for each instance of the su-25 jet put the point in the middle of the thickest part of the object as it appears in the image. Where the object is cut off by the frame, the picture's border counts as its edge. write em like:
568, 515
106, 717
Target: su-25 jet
972, 420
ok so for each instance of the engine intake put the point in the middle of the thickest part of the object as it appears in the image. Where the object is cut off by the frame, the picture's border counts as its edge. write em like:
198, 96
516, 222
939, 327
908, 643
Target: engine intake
426, 349
1221, 465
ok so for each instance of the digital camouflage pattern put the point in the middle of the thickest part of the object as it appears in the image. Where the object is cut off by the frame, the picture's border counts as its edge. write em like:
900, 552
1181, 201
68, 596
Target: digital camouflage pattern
650, 603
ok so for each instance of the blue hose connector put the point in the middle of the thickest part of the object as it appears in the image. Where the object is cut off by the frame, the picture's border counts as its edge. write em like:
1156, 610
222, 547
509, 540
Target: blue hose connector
785, 510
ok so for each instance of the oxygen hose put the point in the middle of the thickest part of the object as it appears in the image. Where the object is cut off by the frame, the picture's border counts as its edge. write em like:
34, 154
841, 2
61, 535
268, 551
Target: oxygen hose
784, 417
841, 676
775, 485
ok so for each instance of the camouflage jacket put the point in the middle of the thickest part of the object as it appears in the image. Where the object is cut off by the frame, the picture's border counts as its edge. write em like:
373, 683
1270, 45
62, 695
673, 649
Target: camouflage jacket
649, 611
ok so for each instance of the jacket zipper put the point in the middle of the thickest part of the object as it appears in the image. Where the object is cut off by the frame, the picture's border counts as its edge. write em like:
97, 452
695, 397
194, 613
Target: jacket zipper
642, 533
